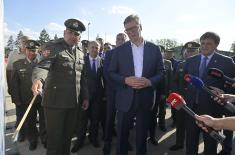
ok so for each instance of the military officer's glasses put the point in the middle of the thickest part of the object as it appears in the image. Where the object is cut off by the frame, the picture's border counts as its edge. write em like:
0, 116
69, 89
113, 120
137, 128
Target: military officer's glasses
132, 29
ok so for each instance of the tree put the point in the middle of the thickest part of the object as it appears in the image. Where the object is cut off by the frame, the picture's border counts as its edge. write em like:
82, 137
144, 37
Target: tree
167, 43
233, 47
44, 37
10, 43
17, 42
56, 37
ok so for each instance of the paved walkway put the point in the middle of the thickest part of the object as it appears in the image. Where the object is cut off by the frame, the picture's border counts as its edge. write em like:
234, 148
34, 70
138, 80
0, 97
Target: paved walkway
165, 140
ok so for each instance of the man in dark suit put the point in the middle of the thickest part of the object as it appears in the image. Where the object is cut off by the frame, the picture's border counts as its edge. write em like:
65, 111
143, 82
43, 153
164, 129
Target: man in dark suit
136, 67
22, 94
110, 95
65, 87
94, 70
200, 102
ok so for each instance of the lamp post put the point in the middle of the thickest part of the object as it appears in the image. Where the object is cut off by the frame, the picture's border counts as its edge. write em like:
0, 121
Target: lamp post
88, 30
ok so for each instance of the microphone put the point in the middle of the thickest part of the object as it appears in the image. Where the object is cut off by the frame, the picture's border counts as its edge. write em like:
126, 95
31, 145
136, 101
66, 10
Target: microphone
219, 74
199, 84
177, 102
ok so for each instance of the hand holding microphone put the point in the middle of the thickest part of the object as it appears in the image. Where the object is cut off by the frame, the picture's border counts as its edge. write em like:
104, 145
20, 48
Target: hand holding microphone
199, 84
177, 102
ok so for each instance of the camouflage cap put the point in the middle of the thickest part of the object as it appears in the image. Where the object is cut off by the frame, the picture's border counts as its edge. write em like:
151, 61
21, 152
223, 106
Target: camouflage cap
191, 45
74, 25
32, 45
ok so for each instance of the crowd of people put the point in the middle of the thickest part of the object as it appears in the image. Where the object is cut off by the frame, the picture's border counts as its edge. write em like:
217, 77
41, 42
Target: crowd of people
80, 87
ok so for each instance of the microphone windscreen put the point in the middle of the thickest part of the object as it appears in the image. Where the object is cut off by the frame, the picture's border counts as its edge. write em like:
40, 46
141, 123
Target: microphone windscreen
195, 81
175, 100
216, 73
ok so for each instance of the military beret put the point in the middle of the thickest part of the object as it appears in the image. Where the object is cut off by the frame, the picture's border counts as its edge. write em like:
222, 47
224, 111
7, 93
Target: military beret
74, 25
162, 48
47, 46
191, 45
169, 50
32, 44
85, 42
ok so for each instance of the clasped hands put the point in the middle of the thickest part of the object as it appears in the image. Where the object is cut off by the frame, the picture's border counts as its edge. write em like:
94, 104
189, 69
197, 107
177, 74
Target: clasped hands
137, 82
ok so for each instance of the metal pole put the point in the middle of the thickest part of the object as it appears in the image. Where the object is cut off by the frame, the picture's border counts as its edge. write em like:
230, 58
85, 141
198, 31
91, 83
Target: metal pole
88, 30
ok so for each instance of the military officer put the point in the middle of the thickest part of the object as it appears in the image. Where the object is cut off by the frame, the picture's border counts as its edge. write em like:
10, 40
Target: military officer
65, 86
22, 94
189, 49
85, 46
169, 55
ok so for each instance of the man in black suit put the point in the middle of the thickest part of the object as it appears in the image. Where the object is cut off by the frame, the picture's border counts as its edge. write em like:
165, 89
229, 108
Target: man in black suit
96, 93
110, 95
198, 100
136, 67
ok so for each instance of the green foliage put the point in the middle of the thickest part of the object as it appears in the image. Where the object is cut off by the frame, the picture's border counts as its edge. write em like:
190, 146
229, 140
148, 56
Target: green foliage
19, 35
56, 37
10, 43
167, 43
233, 47
44, 37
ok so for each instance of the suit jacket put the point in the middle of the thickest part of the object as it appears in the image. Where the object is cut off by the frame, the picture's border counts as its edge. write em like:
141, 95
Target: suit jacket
109, 82
205, 104
95, 84
64, 76
122, 66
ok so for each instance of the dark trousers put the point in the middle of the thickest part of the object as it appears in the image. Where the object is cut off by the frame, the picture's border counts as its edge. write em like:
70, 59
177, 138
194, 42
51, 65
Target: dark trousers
60, 124
161, 112
94, 115
180, 127
142, 123
81, 128
228, 142
192, 139
153, 121
110, 116
20, 110
29, 128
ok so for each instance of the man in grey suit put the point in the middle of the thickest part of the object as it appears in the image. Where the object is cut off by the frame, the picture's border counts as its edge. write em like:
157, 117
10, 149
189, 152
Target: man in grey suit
136, 67
65, 86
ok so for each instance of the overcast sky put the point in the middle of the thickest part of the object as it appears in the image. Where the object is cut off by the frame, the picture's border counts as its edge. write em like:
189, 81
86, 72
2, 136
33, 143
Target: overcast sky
182, 20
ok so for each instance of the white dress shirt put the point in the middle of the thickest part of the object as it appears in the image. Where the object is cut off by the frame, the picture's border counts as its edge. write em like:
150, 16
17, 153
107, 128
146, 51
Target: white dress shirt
96, 62
138, 55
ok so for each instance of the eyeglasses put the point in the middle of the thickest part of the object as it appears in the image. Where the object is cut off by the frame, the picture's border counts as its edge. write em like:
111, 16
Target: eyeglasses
132, 29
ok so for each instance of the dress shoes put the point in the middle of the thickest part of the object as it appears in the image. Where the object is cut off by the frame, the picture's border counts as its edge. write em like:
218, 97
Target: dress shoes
162, 128
77, 146
21, 138
32, 146
106, 149
153, 140
130, 147
176, 147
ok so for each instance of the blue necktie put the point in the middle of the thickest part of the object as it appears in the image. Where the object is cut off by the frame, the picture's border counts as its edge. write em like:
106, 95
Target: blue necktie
202, 67
93, 67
